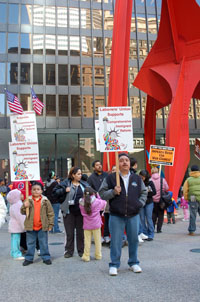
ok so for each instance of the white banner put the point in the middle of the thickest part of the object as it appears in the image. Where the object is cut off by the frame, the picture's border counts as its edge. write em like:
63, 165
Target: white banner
115, 129
24, 161
23, 127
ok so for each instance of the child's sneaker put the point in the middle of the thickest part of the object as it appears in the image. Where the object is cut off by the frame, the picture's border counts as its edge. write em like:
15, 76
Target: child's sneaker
19, 258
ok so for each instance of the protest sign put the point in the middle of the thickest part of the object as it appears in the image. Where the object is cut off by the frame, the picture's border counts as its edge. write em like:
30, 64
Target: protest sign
197, 148
115, 129
23, 127
24, 161
161, 155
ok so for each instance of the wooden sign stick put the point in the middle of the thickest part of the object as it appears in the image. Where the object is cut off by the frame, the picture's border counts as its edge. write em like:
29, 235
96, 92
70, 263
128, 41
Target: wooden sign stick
108, 161
27, 194
117, 169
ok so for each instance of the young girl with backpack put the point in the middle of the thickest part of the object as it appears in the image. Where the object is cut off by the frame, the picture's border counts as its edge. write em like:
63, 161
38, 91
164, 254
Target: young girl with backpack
91, 205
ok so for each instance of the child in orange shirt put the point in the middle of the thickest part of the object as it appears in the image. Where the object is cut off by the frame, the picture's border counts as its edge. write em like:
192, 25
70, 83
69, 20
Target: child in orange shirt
37, 224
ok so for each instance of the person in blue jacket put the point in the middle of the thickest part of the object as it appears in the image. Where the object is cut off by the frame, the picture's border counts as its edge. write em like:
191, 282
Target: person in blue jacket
170, 211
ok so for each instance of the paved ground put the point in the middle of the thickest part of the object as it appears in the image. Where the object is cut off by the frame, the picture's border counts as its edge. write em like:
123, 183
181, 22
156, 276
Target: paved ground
171, 272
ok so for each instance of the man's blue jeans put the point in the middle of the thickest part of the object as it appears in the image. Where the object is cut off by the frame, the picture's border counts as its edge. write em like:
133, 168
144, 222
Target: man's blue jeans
117, 225
31, 237
56, 208
194, 207
146, 221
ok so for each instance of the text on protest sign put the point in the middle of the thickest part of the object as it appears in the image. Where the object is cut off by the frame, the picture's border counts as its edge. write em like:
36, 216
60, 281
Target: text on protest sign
161, 155
115, 129
23, 127
24, 161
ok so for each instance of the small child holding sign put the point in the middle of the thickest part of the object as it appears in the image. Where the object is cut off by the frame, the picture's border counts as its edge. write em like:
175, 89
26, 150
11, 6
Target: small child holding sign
39, 221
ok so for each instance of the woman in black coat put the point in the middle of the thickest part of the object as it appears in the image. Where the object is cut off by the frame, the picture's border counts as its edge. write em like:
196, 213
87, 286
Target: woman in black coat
146, 212
68, 193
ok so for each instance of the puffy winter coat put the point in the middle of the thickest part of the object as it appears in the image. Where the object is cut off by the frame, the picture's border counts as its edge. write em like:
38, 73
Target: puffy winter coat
16, 222
156, 180
3, 211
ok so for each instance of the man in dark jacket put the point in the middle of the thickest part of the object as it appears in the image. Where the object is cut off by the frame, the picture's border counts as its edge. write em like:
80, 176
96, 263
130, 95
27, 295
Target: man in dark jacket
96, 178
125, 203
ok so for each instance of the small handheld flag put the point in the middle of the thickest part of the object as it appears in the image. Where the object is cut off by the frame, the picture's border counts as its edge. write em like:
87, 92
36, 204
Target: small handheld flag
37, 104
13, 103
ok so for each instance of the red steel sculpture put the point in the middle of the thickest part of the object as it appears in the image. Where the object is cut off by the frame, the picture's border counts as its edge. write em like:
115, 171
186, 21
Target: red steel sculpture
118, 85
170, 75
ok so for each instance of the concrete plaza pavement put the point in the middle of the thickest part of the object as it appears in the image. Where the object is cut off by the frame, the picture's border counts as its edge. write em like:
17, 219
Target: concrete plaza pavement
171, 272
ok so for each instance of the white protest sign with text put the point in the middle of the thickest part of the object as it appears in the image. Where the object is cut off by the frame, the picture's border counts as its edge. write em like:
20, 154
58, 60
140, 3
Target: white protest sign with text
23, 127
24, 161
115, 129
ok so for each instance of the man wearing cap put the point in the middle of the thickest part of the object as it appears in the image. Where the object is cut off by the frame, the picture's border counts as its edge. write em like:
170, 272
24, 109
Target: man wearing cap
125, 203
191, 192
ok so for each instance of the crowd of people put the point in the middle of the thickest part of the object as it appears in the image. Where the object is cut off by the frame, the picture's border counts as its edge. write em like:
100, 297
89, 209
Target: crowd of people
131, 211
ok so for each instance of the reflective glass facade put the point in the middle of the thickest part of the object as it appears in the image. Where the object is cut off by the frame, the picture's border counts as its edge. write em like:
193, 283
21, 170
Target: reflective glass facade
63, 49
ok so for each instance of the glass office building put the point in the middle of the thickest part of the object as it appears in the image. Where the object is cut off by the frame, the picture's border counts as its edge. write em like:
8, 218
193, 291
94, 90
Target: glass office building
63, 49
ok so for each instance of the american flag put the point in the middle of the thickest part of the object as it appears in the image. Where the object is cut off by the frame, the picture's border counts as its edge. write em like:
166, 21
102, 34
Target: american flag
13, 103
37, 104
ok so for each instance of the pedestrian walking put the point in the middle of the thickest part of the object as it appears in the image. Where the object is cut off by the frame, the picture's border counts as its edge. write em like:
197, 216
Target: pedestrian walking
158, 213
37, 224
147, 226
90, 205
68, 193
16, 223
191, 192
50, 185
125, 203
170, 211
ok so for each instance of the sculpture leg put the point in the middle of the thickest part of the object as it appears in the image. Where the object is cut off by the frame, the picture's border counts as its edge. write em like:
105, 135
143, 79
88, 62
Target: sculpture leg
150, 124
177, 132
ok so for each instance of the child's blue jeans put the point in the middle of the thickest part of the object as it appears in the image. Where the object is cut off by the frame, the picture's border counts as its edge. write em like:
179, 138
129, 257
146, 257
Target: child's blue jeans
15, 245
31, 237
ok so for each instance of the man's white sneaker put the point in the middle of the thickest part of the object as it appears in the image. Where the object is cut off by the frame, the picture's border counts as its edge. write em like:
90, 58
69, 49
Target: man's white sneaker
113, 271
143, 236
140, 239
136, 268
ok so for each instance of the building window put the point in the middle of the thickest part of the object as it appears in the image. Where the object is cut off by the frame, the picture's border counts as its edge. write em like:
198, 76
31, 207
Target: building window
3, 13
73, 17
99, 76
2, 104
2, 73
3, 42
25, 43
50, 16
74, 46
12, 73
12, 43
63, 75
38, 44
13, 14
38, 74
75, 75
63, 105
50, 44
25, 73
75, 105
99, 102
85, 18
50, 74
87, 106
86, 48
98, 46
62, 45
25, 101
87, 75
38, 15
62, 16
26, 14
97, 19
50, 105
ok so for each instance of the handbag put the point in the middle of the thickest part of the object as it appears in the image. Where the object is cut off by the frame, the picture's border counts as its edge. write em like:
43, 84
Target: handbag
165, 197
